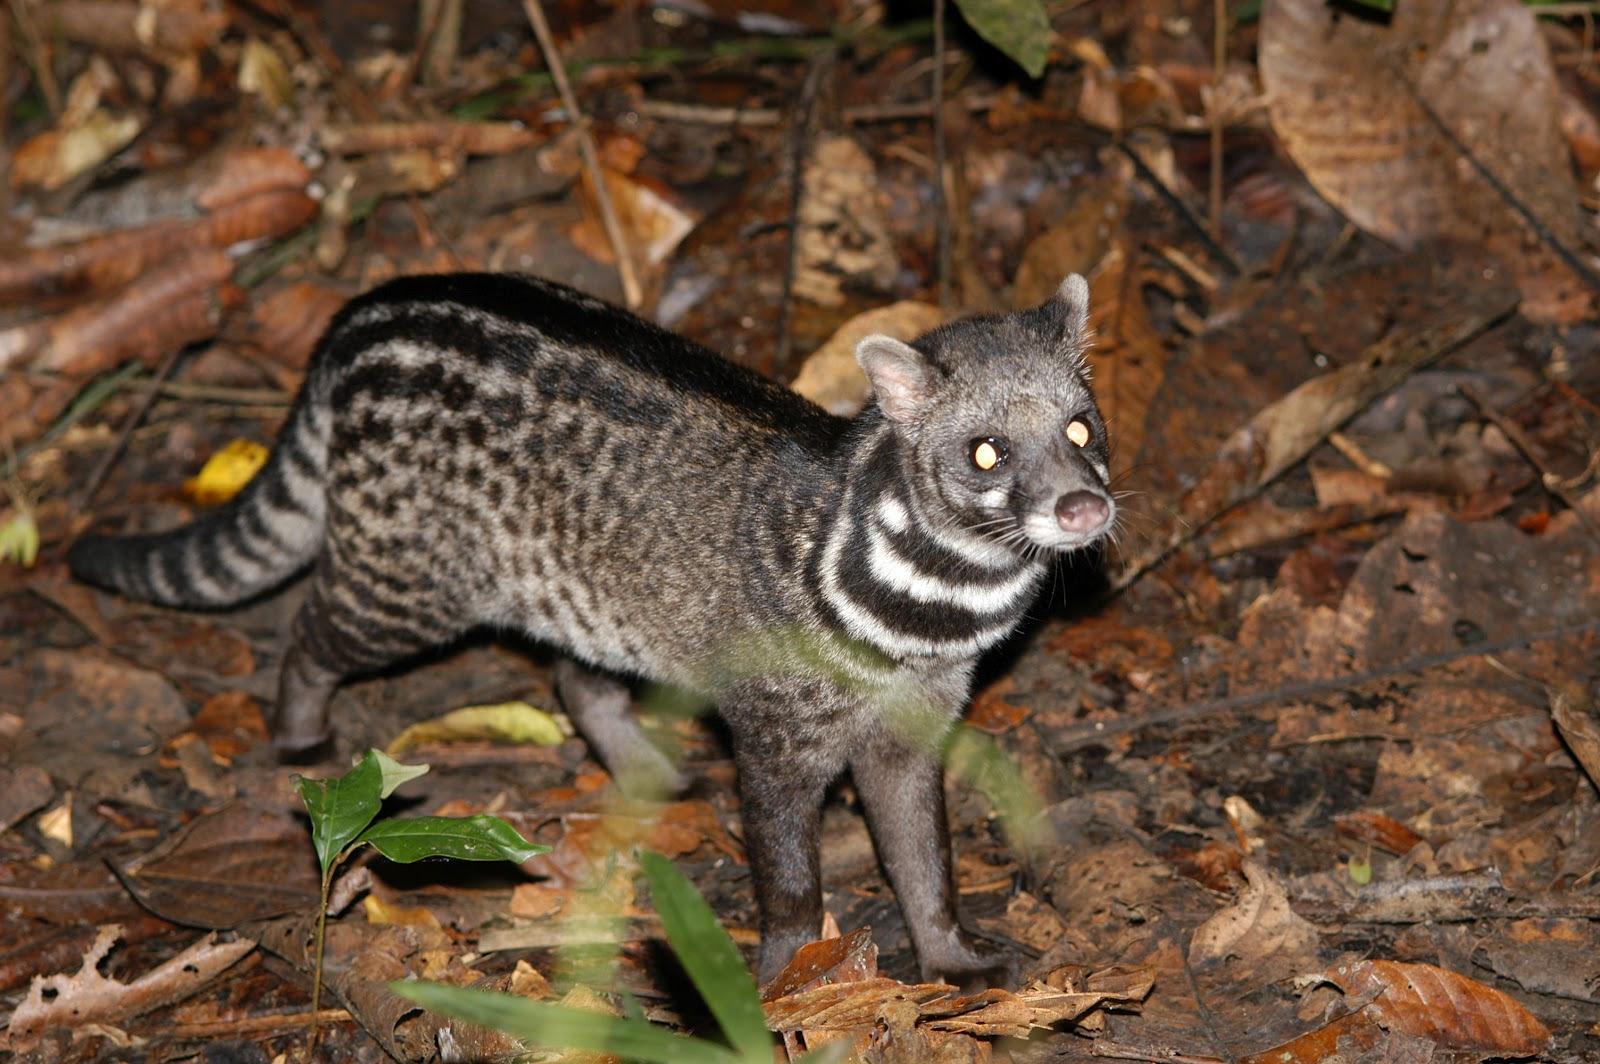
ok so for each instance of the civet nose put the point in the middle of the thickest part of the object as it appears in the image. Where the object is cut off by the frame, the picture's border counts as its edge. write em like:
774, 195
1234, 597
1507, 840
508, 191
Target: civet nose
1081, 511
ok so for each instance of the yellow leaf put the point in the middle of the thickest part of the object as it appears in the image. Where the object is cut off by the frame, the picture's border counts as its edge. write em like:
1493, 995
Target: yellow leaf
19, 539
382, 912
508, 722
226, 473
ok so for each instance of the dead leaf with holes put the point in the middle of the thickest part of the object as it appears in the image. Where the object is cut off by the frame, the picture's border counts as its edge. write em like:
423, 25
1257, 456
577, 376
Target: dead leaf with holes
1259, 935
1350, 100
63, 1000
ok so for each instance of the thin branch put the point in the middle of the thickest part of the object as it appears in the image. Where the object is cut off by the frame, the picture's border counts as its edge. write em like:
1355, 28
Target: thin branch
941, 206
799, 152
109, 459
1546, 237
1098, 732
631, 291
1519, 439
1187, 216
1219, 58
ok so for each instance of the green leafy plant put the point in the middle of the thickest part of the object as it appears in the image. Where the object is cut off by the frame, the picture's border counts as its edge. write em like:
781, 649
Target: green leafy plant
1019, 28
342, 811
707, 954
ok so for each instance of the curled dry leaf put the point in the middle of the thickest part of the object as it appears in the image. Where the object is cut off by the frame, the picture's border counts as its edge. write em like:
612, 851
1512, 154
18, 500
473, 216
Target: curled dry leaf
115, 258
171, 306
1258, 932
832, 378
56, 156
1384, 832
1345, 96
123, 26
62, 1000
1448, 1009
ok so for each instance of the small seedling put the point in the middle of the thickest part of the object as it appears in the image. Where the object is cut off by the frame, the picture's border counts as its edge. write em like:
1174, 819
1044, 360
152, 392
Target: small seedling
342, 811
707, 954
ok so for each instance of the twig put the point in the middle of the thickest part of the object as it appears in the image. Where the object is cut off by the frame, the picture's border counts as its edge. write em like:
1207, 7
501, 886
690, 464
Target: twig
1359, 457
1219, 58
109, 459
1273, 441
38, 57
1187, 216
799, 152
702, 115
941, 206
1519, 439
631, 291
1546, 237
1099, 731
1153, 1054
287, 1021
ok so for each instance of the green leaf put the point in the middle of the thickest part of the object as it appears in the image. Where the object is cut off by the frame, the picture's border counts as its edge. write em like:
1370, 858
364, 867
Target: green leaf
19, 539
468, 838
710, 957
341, 807
394, 773
1019, 28
564, 1027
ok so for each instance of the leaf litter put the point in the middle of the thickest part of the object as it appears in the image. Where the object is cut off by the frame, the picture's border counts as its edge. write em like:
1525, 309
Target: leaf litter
1333, 729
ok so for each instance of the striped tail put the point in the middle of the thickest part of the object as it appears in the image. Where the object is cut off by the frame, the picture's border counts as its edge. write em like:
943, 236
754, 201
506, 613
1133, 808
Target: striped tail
258, 540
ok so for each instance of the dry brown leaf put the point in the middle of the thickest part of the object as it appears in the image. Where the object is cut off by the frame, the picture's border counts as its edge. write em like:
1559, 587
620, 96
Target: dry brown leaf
843, 235
1355, 1031
990, 712
1075, 244
173, 305
1128, 358
831, 376
1579, 723
849, 958
56, 156
114, 258
1259, 930
123, 26
1284, 432
1341, 92
230, 723
1449, 1009
62, 1000
1384, 832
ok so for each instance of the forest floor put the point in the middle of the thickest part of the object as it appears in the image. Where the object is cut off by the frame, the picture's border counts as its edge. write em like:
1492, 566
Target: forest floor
1304, 768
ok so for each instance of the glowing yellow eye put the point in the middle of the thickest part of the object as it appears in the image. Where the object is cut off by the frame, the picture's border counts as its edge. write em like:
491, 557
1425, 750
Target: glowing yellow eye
1078, 432
987, 453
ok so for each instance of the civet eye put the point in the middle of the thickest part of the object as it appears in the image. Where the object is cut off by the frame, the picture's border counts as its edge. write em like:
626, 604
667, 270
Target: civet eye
987, 452
1079, 432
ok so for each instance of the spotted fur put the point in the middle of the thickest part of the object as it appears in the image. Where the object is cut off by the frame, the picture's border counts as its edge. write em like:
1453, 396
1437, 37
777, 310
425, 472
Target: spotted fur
495, 450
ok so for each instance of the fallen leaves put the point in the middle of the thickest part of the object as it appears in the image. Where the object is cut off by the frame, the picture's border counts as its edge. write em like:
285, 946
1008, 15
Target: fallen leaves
1449, 1010
88, 996
1350, 97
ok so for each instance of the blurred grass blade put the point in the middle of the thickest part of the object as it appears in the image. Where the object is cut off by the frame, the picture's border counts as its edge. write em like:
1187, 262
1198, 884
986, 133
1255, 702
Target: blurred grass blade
710, 957
470, 838
563, 1027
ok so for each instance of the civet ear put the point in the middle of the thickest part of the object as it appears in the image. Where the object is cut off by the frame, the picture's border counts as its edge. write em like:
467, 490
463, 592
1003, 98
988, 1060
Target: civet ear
1071, 302
901, 378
